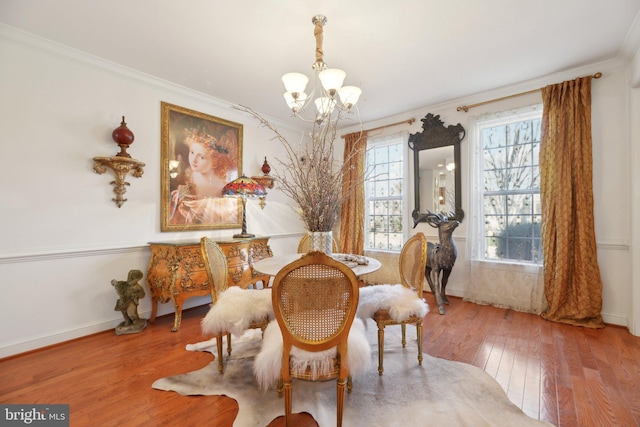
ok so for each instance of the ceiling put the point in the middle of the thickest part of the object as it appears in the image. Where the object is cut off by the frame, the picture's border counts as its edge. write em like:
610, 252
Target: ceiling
404, 54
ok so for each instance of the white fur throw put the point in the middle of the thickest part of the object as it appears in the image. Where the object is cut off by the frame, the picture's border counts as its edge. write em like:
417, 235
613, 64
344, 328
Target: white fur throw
400, 301
268, 362
235, 309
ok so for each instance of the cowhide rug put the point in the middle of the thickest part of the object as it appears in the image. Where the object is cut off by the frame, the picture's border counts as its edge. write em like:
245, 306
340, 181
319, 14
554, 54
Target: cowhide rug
438, 393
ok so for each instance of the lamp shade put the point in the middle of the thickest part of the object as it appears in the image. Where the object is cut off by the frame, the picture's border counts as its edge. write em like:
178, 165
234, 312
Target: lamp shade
349, 95
325, 105
295, 103
243, 187
332, 79
295, 82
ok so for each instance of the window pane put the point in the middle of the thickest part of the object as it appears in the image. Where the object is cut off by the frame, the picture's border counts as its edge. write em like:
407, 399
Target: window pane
395, 170
495, 205
395, 153
395, 241
380, 223
382, 189
381, 155
494, 180
395, 224
381, 172
493, 225
495, 159
492, 248
519, 155
493, 137
519, 204
395, 207
395, 187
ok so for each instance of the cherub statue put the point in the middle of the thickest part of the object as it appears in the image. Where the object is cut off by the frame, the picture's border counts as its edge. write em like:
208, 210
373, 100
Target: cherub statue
129, 292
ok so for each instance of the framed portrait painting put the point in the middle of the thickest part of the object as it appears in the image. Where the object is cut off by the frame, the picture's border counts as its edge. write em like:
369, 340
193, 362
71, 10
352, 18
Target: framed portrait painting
200, 154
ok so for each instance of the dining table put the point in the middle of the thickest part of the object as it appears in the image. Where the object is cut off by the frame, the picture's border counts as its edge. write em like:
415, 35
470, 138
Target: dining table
272, 265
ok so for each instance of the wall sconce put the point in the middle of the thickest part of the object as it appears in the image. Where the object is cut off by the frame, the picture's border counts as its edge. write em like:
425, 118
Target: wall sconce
121, 163
265, 180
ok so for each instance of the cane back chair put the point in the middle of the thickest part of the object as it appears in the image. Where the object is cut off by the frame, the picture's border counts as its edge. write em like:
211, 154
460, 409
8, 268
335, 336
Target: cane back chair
315, 300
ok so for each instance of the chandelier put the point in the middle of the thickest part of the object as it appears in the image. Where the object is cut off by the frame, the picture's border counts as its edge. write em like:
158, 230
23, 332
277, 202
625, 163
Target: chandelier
330, 85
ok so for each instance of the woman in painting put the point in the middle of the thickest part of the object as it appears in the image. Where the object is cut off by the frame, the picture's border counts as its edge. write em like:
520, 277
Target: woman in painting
211, 165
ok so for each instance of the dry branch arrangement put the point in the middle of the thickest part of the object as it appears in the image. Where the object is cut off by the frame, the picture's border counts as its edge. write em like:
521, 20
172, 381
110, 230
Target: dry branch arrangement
311, 176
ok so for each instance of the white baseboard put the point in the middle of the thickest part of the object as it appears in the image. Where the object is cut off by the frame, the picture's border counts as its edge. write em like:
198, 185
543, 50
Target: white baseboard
34, 343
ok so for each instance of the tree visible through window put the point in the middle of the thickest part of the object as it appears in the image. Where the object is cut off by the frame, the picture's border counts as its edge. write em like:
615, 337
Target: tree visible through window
511, 198
384, 196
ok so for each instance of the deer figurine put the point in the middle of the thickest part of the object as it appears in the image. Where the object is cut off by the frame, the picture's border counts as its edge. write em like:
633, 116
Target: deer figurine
441, 256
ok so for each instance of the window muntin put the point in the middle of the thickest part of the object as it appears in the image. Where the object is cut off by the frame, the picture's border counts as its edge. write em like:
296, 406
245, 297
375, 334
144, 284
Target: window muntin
510, 149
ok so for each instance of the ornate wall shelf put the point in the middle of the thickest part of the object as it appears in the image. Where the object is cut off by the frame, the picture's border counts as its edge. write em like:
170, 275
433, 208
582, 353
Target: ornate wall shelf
121, 166
265, 180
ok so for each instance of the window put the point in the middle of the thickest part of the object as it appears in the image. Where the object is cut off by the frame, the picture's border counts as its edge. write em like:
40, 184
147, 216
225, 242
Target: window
508, 151
384, 194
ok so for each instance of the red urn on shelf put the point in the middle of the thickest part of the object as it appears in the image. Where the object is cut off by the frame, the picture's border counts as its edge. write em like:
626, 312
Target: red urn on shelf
123, 137
265, 167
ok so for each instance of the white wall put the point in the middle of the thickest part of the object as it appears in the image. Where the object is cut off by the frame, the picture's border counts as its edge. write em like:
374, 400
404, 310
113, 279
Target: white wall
611, 175
62, 238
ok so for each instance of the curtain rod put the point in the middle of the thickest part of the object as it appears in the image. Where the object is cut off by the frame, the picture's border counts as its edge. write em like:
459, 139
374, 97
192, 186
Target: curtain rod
409, 121
465, 108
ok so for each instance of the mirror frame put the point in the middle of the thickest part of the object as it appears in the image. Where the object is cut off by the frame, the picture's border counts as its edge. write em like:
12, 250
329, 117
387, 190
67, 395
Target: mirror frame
434, 134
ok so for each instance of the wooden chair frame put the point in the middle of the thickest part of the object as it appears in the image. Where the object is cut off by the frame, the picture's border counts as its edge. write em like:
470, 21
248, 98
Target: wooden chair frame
412, 277
215, 261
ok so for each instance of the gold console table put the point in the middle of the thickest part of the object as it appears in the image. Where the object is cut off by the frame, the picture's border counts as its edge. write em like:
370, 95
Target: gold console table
176, 270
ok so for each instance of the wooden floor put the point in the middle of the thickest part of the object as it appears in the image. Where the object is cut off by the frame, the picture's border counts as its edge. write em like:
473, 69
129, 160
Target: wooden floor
565, 375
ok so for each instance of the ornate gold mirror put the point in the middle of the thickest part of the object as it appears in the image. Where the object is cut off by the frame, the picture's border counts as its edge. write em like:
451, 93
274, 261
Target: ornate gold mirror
436, 159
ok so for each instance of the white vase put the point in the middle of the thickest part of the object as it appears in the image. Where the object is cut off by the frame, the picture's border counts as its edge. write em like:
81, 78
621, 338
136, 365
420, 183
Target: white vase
321, 241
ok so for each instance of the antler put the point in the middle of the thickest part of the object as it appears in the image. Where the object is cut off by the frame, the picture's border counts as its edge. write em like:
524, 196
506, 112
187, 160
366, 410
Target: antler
431, 218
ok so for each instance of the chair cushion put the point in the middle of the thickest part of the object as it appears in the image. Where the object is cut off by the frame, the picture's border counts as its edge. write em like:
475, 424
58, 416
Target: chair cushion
236, 309
401, 302
268, 362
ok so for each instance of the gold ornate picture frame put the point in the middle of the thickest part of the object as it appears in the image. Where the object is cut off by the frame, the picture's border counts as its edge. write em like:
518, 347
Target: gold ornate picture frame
200, 154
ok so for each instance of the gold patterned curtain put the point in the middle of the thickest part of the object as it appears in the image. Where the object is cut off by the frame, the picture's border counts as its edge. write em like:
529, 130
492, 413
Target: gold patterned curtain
572, 282
352, 213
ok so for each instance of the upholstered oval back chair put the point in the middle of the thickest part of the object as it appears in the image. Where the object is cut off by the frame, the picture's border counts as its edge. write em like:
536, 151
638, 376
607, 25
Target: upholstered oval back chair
233, 310
399, 304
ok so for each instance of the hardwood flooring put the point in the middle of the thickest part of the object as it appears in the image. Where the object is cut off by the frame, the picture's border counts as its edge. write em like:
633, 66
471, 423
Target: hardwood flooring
566, 375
